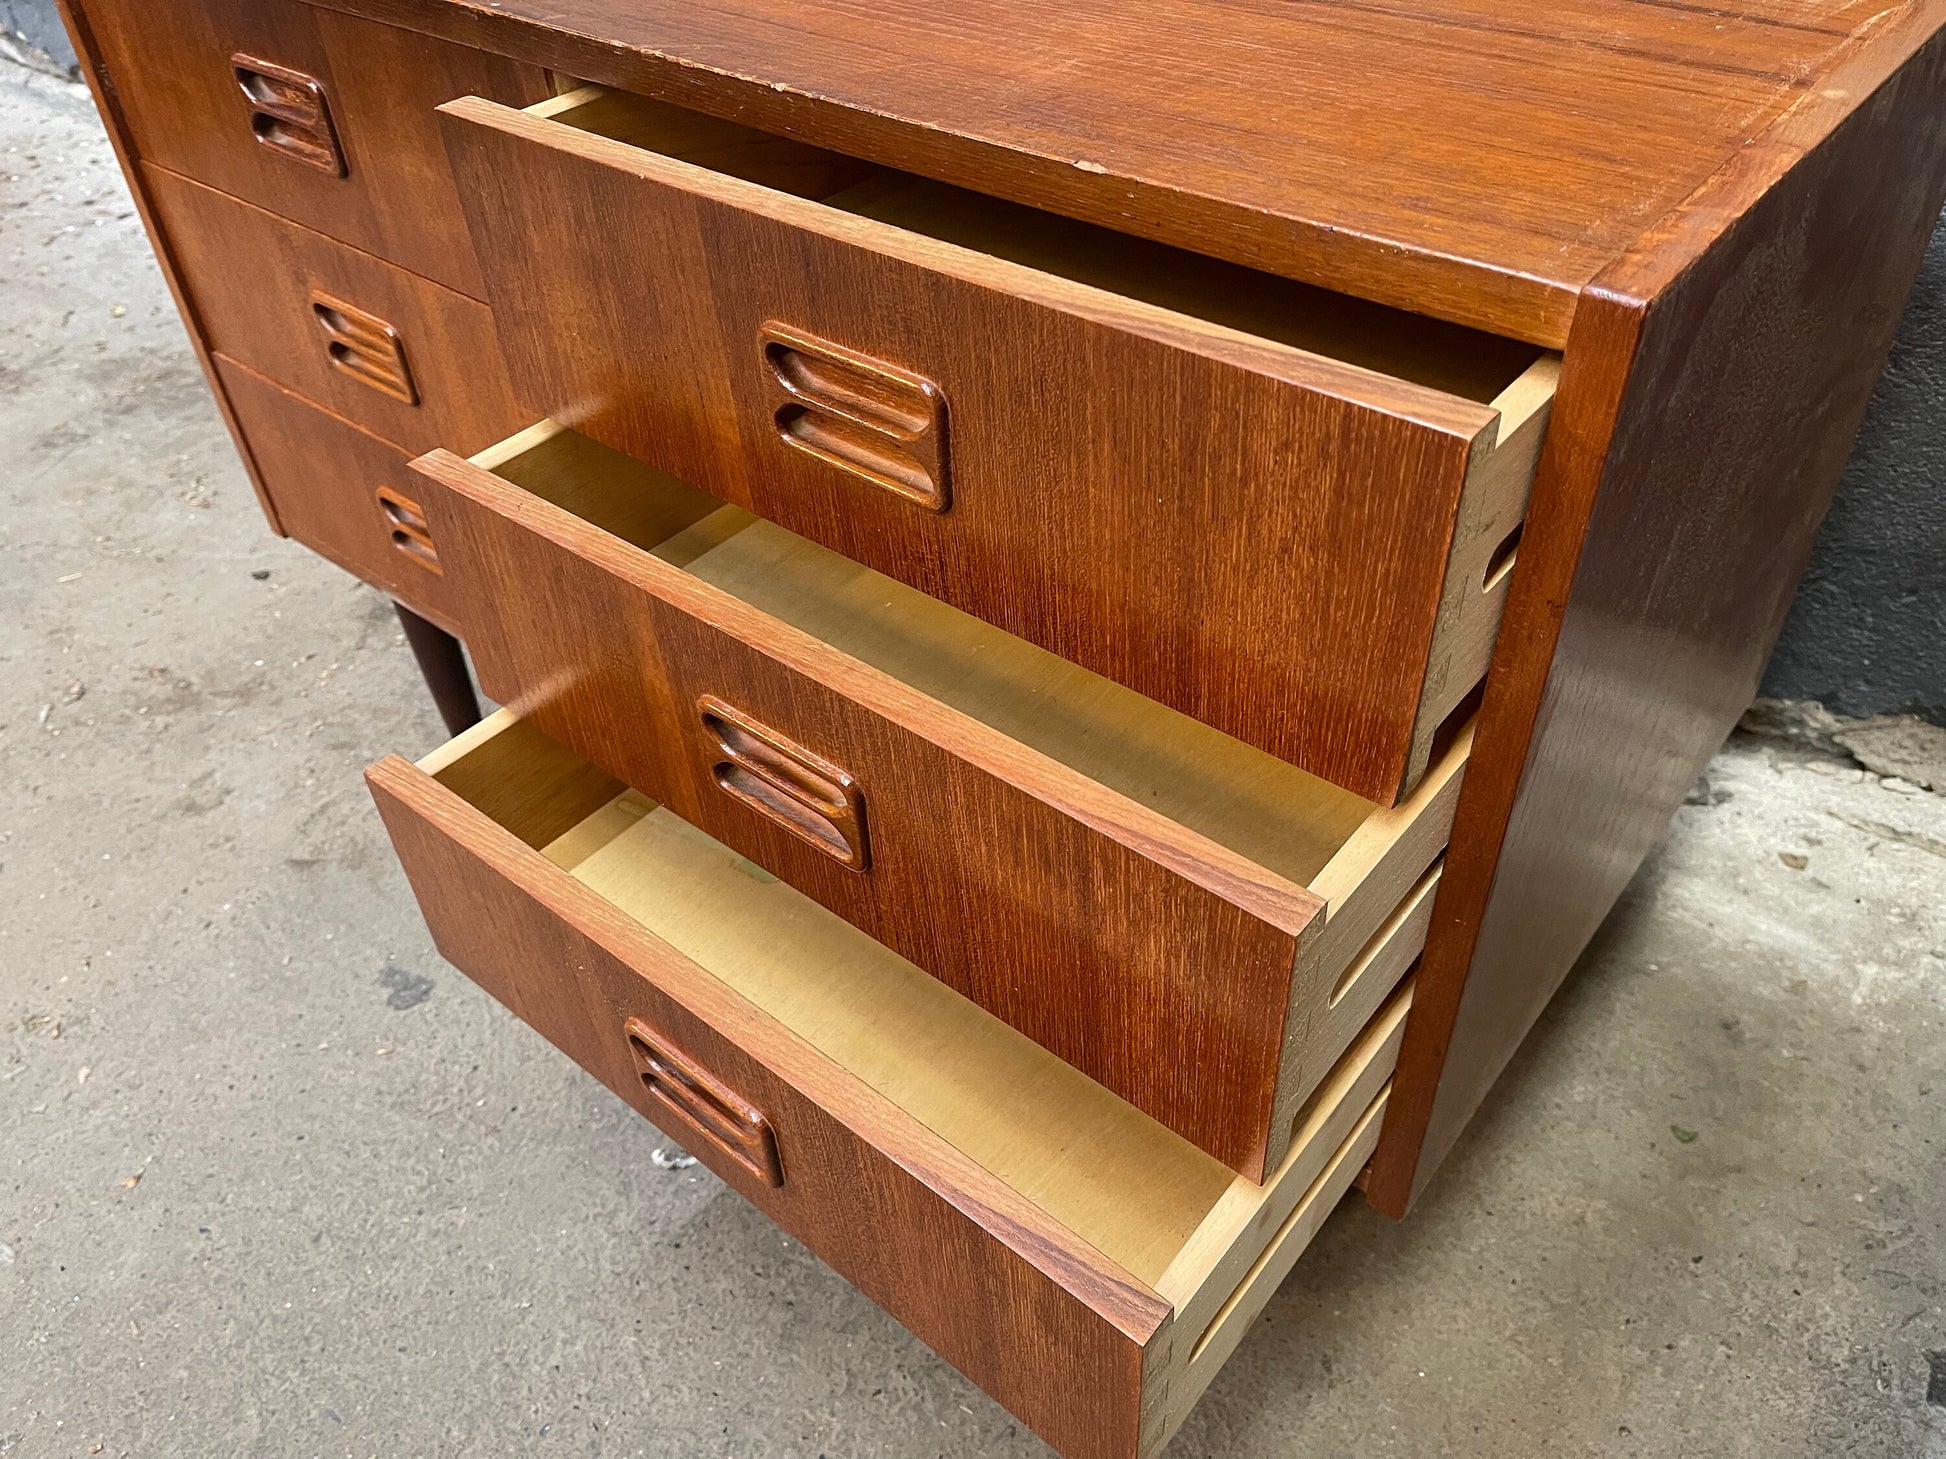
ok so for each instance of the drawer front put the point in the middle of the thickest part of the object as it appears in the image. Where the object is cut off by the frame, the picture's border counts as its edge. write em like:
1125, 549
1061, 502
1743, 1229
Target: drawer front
1045, 1324
405, 358
320, 117
1089, 1269
342, 492
1256, 536
1066, 910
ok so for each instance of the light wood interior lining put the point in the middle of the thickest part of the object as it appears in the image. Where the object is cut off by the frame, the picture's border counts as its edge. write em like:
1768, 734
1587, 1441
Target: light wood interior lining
1445, 357
1226, 1246
533, 786
1175, 1218
1481, 559
1119, 1180
1289, 822
1198, 1361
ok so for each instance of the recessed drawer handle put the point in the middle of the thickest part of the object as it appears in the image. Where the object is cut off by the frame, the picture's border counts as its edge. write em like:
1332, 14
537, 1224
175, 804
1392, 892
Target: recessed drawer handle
703, 1103
406, 521
782, 781
859, 414
364, 347
290, 114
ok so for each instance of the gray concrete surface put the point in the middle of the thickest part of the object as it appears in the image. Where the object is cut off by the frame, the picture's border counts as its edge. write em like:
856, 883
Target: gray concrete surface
276, 1182
38, 24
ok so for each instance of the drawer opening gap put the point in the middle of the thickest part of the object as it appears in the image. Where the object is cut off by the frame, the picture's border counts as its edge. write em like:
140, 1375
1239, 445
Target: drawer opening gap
1441, 356
1456, 723
1501, 562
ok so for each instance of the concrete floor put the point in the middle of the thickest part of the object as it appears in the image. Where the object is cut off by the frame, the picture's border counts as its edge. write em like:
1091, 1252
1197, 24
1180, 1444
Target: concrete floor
275, 1181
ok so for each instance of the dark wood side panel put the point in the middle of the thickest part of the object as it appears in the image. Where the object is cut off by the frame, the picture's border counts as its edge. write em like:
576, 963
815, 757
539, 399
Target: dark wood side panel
169, 69
78, 18
1255, 540
1049, 1327
326, 477
256, 281
1714, 383
1172, 994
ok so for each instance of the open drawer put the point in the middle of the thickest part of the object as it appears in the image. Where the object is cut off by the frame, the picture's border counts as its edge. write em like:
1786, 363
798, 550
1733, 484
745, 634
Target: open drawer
1082, 1264
1199, 926
1285, 513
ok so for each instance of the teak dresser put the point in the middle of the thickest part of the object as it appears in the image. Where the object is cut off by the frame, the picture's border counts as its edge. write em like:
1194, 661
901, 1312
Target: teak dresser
1093, 603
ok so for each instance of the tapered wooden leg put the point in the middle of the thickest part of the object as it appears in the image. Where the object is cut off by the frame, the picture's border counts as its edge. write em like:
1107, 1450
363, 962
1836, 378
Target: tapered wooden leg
442, 662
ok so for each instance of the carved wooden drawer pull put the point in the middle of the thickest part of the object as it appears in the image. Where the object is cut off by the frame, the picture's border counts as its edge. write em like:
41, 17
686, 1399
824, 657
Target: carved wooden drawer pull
290, 114
364, 347
411, 534
785, 783
704, 1104
859, 414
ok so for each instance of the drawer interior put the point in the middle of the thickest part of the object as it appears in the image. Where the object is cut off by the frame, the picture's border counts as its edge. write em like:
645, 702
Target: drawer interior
1172, 1216
1445, 357
1296, 826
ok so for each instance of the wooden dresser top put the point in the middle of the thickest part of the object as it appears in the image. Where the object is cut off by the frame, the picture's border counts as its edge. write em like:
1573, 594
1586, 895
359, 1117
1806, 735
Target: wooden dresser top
1475, 159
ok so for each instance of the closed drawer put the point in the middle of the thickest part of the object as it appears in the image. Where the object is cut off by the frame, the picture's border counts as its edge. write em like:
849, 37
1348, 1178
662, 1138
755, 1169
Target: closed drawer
1086, 1267
1285, 513
321, 117
342, 492
1196, 924
405, 358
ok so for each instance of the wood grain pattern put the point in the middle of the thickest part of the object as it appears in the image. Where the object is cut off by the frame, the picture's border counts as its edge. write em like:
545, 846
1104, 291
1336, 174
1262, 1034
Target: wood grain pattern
885, 425
324, 474
770, 774
1087, 1161
81, 33
1050, 1328
1716, 379
168, 67
290, 114
704, 1105
1013, 1214
1136, 489
1716, 209
463, 399
360, 345
1099, 903
1472, 161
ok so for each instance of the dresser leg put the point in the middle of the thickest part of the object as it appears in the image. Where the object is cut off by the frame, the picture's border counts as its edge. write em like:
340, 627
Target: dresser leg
443, 664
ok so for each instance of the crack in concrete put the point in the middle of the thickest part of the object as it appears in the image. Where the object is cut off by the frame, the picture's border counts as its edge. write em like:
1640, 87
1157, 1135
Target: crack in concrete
1918, 840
